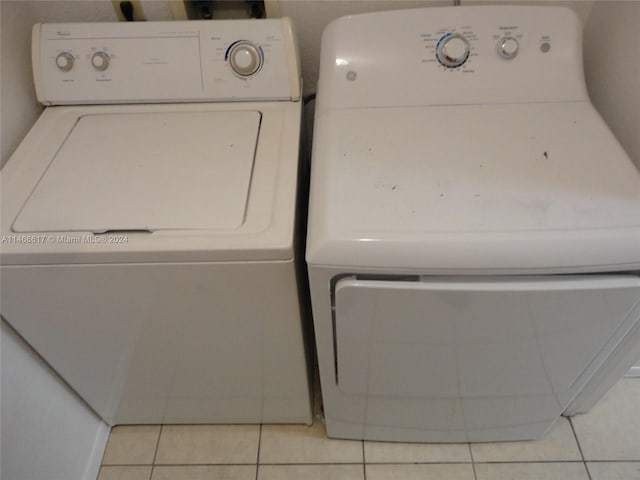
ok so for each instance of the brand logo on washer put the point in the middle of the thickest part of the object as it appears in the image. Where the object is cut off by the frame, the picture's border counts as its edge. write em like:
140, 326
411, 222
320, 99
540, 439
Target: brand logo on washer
351, 75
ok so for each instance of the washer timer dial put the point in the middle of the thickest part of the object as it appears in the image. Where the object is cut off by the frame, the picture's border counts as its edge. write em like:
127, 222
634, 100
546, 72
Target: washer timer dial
452, 50
100, 61
64, 61
244, 58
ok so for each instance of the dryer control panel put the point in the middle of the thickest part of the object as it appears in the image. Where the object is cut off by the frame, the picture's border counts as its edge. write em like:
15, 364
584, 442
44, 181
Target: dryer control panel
144, 62
453, 56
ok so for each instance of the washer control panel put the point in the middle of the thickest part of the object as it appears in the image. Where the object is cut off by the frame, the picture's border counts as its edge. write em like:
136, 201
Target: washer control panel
245, 58
454, 55
165, 61
100, 61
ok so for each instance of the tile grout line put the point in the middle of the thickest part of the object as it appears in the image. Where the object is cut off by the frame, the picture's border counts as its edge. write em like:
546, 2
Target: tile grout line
258, 455
155, 453
431, 462
489, 462
222, 464
473, 463
575, 435
364, 463
613, 461
319, 464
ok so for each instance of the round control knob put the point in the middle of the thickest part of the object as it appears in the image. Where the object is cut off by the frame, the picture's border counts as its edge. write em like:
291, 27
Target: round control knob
452, 50
100, 61
64, 61
508, 48
245, 59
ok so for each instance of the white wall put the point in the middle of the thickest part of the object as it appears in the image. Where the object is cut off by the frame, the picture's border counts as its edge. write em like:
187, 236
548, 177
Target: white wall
19, 108
612, 68
47, 432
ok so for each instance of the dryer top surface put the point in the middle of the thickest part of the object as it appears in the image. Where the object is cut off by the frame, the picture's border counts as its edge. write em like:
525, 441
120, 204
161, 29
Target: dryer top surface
400, 178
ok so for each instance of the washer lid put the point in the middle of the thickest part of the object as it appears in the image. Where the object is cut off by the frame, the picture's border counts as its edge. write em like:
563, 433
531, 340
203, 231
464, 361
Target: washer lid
147, 172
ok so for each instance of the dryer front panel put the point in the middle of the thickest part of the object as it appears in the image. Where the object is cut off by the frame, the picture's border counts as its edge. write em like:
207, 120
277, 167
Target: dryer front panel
476, 356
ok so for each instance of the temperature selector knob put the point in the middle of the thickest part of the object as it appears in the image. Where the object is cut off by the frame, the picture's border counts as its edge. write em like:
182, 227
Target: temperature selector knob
245, 58
100, 61
508, 47
64, 61
452, 50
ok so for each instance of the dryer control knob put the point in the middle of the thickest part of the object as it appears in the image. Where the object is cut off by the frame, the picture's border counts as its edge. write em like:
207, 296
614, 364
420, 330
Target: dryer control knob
452, 50
64, 61
508, 47
100, 61
245, 58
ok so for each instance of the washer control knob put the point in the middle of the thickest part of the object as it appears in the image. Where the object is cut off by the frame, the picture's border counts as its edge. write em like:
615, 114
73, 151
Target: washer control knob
64, 61
508, 47
245, 58
452, 50
100, 61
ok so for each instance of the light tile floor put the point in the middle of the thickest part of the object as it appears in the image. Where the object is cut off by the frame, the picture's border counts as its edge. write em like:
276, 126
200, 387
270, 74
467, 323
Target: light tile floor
601, 445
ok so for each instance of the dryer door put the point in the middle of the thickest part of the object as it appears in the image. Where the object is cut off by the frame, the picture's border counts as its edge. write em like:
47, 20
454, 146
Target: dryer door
492, 357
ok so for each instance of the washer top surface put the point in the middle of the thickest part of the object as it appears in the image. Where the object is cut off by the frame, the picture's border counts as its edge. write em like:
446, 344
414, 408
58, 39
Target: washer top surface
147, 172
476, 186
157, 182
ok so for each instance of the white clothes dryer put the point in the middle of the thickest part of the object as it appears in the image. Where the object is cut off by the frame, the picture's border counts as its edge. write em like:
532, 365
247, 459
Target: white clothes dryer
474, 227
149, 234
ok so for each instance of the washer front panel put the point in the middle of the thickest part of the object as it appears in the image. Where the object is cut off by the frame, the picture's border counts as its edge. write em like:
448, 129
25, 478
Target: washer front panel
147, 172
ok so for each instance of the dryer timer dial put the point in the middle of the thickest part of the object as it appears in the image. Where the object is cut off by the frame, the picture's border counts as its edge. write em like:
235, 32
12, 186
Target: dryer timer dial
452, 50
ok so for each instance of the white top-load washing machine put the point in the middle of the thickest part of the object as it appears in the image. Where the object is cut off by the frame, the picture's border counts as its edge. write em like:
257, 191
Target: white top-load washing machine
149, 220
474, 227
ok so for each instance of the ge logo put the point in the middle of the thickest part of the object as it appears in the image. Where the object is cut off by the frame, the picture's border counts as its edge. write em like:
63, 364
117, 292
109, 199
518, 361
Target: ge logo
351, 75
